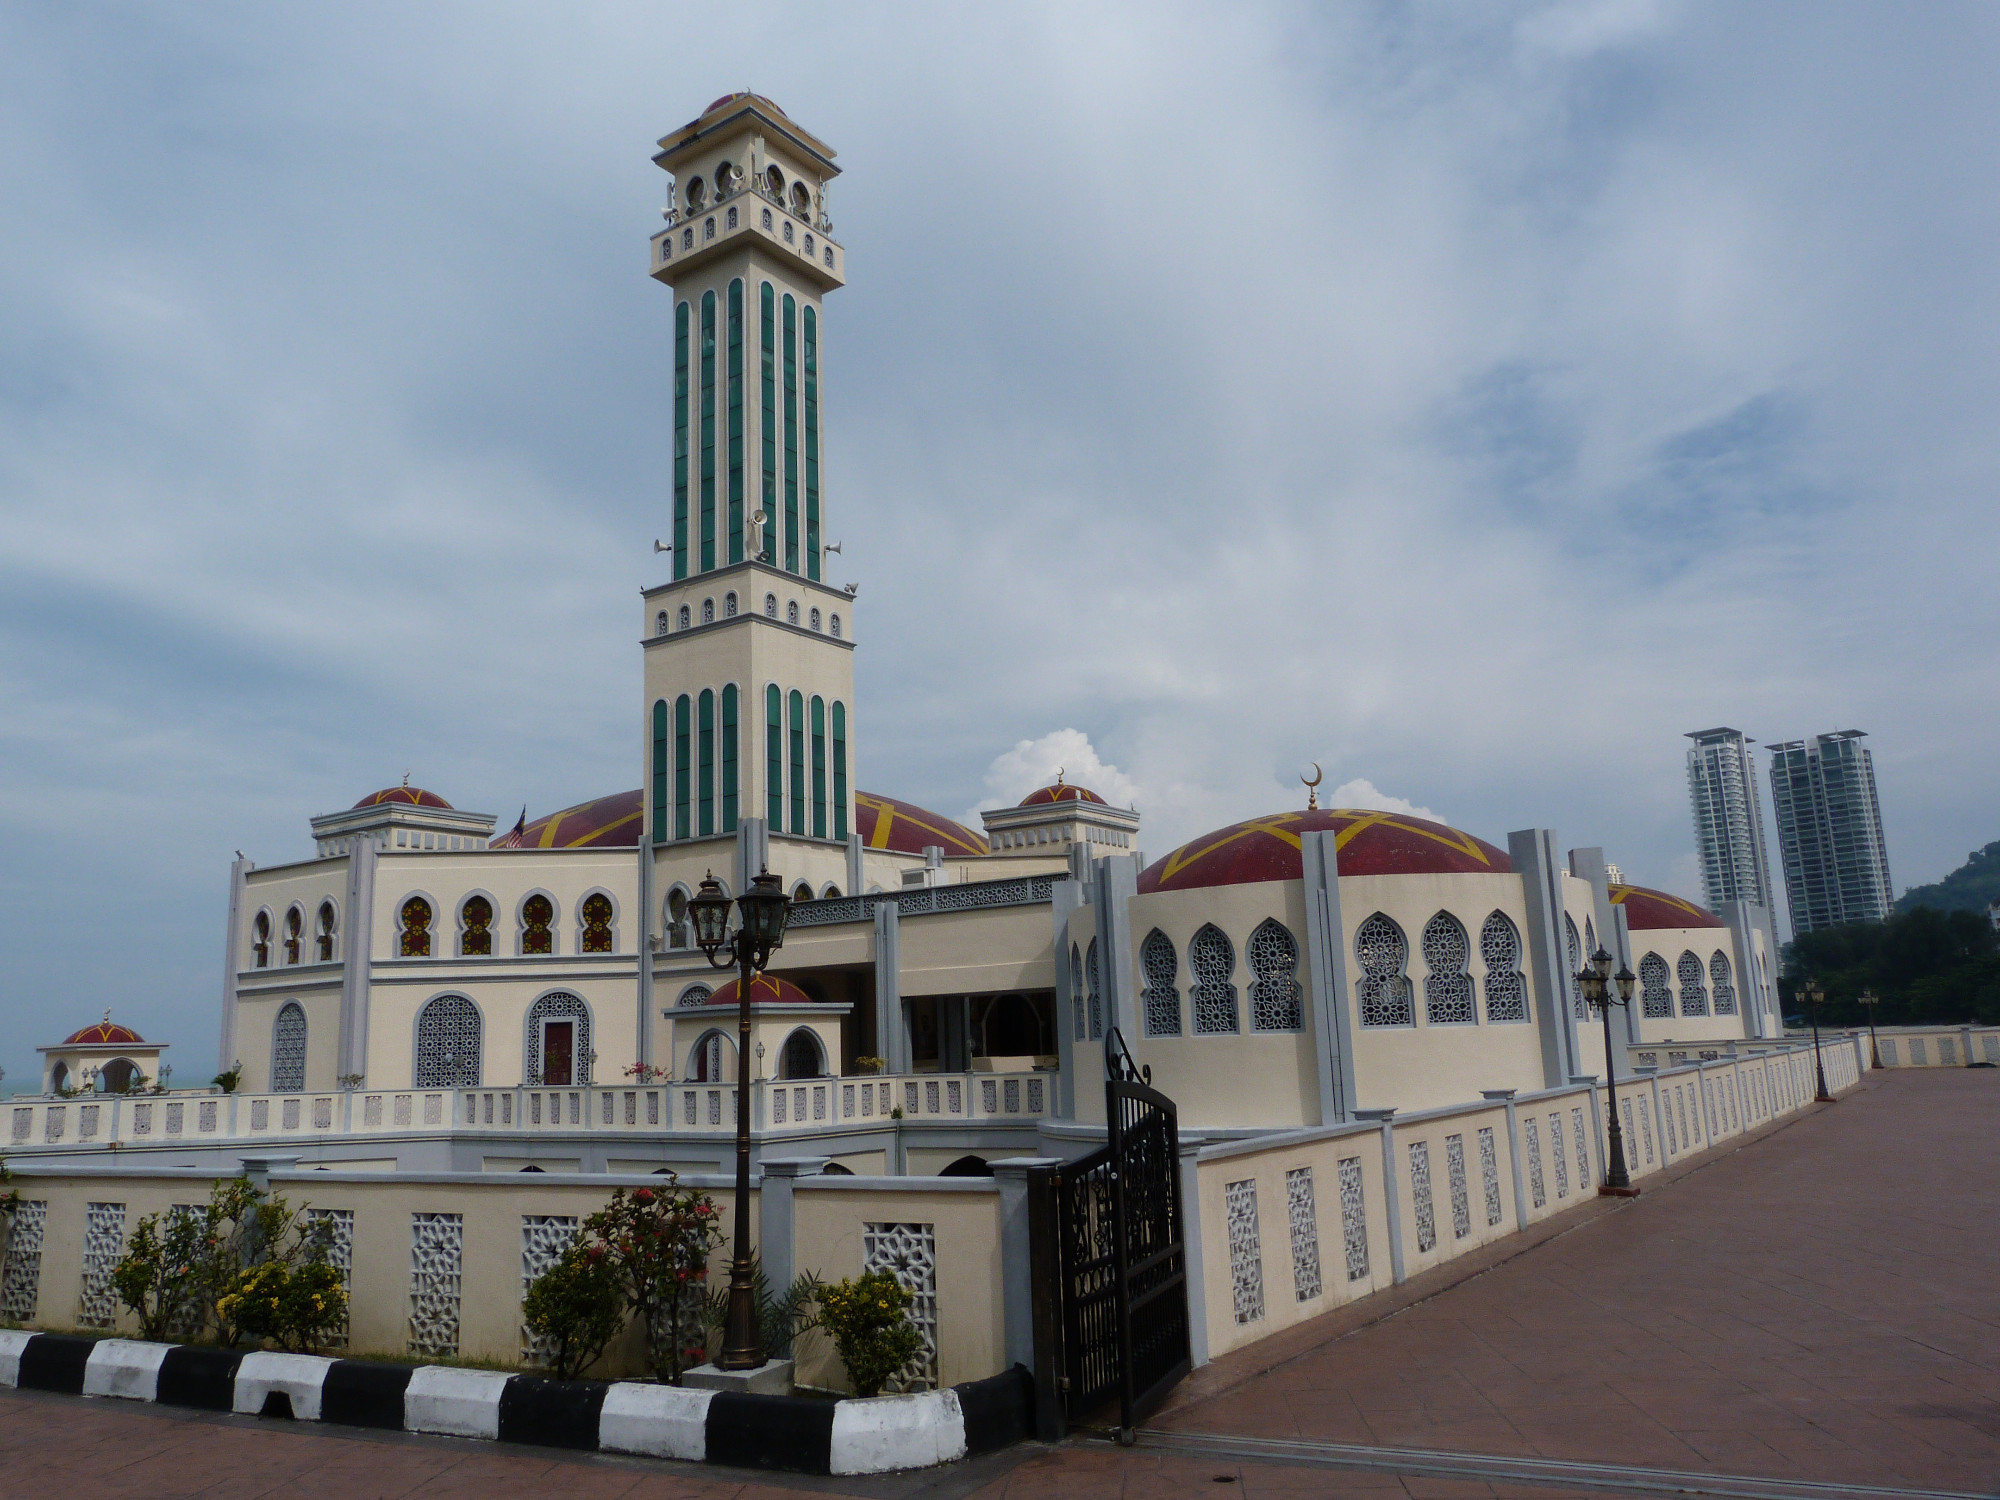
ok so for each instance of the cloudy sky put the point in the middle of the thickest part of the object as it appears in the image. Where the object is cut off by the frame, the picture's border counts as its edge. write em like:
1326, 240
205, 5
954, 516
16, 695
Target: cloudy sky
1472, 399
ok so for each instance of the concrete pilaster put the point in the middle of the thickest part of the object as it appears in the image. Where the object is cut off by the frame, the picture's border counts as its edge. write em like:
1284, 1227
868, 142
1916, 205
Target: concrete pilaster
357, 952
1533, 851
231, 956
777, 1233
1326, 978
1116, 881
1391, 1188
1017, 1291
643, 931
892, 1032
1192, 1240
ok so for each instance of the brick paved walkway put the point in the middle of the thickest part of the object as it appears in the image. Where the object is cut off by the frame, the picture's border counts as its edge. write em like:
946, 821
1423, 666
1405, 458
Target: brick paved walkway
1821, 1303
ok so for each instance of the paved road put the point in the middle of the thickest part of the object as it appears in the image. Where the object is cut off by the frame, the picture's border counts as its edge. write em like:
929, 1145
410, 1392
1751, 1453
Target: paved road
1820, 1303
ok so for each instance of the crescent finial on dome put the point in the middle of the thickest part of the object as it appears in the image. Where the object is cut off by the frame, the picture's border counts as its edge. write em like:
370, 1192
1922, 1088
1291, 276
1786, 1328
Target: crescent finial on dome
1312, 787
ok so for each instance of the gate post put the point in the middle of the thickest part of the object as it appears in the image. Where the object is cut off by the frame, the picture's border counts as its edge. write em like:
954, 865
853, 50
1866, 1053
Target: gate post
1191, 1250
1044, 1268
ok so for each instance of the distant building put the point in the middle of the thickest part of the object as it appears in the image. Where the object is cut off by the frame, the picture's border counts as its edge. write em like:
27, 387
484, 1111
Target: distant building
1830, 831
1613, 874
1728, 818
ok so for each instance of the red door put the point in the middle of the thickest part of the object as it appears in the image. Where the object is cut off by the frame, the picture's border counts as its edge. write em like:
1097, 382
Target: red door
558, 1051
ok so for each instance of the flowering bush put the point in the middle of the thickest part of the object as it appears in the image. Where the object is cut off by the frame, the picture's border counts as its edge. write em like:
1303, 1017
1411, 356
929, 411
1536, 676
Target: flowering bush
647, 1073
576, 1307
298, 1307
658, 1242
867, 1317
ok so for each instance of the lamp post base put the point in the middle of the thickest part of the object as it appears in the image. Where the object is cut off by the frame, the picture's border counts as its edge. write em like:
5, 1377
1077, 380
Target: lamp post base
1607, 1191
771, 1378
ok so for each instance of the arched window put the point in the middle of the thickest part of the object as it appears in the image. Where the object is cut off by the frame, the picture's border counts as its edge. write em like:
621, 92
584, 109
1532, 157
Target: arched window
450, 1043
682, 391
788, 231
1161, 1000
260, 941
1656, 996
538, 922
1095, 991
683, 766
729, 219
694, 997
833, 625
802, 892
1694, 993
765, 220
660, 624
801, 200
711, 1058
475, 927
791, 612
558, 1041
596, 912
1724, 981
827, 253
802, 1056
729, 605
704, 800
295, 926
1500, 951
819, 766
678, 933
1212, 997
288, 1049
730, 784
327, 919
1573, 945
1277, 1000
840, 771
831, 893
797, 707
809, 339
1447, 987
1384, 990
813, 618
708, 611
774, 752
1589, 938
1077, 1003
708, 232
771, 606
662, 733
416, 938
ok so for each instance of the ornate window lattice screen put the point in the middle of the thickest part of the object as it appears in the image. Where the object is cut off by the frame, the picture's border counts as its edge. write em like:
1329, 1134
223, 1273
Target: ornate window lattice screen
1383, 952
1090, 968
437, 1261
1724, 982
1212, 960
415, 941
1489, 1174
1162, 1001
1559, 1154
694, 996
560, 1006
1461, 1198
1582, 1145
1277, 1000
335, 1229
1574, 947
1420, 1196
1304, 1214
1694, 994
909, 1253
1535, 1184
1077, 1004
596, 914
1246, 1251
544, 1237
1506, 988
1353, 1219
449, 1041
1656, 998
288, 1049
1447, 987
21, 1275
103, 1244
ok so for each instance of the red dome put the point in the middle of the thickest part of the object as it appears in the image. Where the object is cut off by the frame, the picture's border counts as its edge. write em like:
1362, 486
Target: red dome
104, 1034
608, 823
409, 796
765, 989
732, 98
1369, 843
886, 823
1062, 792
1646, 909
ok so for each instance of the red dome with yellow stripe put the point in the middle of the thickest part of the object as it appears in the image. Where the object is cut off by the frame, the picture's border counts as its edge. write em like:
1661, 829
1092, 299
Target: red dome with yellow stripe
886, 823
1062, 791
1368, 843
607, 823
407, 795
765, 989
104, 1034
1648, 910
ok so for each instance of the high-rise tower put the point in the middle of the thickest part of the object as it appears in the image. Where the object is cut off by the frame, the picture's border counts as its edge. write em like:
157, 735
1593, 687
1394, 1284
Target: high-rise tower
1830, 831
1728, 818
749, 666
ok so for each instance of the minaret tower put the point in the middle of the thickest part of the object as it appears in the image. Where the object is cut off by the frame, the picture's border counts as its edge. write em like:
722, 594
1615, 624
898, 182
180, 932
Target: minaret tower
749, 653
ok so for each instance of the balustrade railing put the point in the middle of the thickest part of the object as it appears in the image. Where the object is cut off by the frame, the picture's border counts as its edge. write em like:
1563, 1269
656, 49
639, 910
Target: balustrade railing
917, 901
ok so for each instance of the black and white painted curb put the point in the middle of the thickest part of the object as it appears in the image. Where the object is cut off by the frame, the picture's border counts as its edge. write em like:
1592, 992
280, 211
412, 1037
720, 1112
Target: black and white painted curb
795, 1433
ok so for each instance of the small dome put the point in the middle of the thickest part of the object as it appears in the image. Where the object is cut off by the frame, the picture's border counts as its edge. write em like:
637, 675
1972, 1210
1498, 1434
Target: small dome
765, 989
104, 1034
886, 823
1369, 843
728, 99
607, 823
409, 796
1647, 910
1061, 792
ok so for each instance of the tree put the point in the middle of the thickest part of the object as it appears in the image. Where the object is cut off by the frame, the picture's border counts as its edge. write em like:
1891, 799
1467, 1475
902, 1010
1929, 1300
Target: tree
1927, 967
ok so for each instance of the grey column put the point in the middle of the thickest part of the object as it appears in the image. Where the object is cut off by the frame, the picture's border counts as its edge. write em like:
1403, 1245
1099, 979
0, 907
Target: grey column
777, 1236
357, 953
1741, 917
892, 1032
231, 953
854, 875
1533, 851
1326, 978
1191, 1251
1116, 882
1513, 1153
1017, 1290
643, 931
753, 852
1621, 945
1391, 1188
1065, 897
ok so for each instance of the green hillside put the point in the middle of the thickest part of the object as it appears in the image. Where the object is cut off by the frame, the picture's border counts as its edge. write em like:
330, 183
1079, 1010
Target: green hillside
1968, 888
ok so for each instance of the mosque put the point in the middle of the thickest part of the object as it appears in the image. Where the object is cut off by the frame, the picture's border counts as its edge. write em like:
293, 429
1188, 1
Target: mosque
942, 994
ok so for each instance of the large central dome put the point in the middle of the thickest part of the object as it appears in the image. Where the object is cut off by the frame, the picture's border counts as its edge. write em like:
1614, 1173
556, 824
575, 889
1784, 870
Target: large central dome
1369, 843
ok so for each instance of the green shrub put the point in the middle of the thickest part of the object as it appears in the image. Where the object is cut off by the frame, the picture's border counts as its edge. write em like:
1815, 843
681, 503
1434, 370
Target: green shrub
577, 1306
867, 1316
658, 1241
297, 1307
161, 1275
781, 1316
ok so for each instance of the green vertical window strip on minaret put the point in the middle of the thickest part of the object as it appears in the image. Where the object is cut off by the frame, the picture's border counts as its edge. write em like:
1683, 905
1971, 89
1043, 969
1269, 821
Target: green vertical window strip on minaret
736, 421
812, 444
661, 730
683, 768
705, 762
774, 758
729, 758
681, 440
791, 435
840, 771
819, 767
707, 431
767, 328
798, 707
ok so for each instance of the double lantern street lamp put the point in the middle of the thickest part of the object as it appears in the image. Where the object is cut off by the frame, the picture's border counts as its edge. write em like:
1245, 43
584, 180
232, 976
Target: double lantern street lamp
1815, 997
1595, 980
760, 929
1870, 999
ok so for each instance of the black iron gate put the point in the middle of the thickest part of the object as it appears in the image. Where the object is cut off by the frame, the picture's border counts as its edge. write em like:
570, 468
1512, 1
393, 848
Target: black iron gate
1121, 1267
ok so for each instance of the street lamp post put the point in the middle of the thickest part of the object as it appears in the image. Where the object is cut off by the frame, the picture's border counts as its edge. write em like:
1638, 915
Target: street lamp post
760, 929
1814, 995
1595, 980
1870, 999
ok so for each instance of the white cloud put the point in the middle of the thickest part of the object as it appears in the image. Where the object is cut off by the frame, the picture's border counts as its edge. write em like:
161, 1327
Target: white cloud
1036, 763
1364, 793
